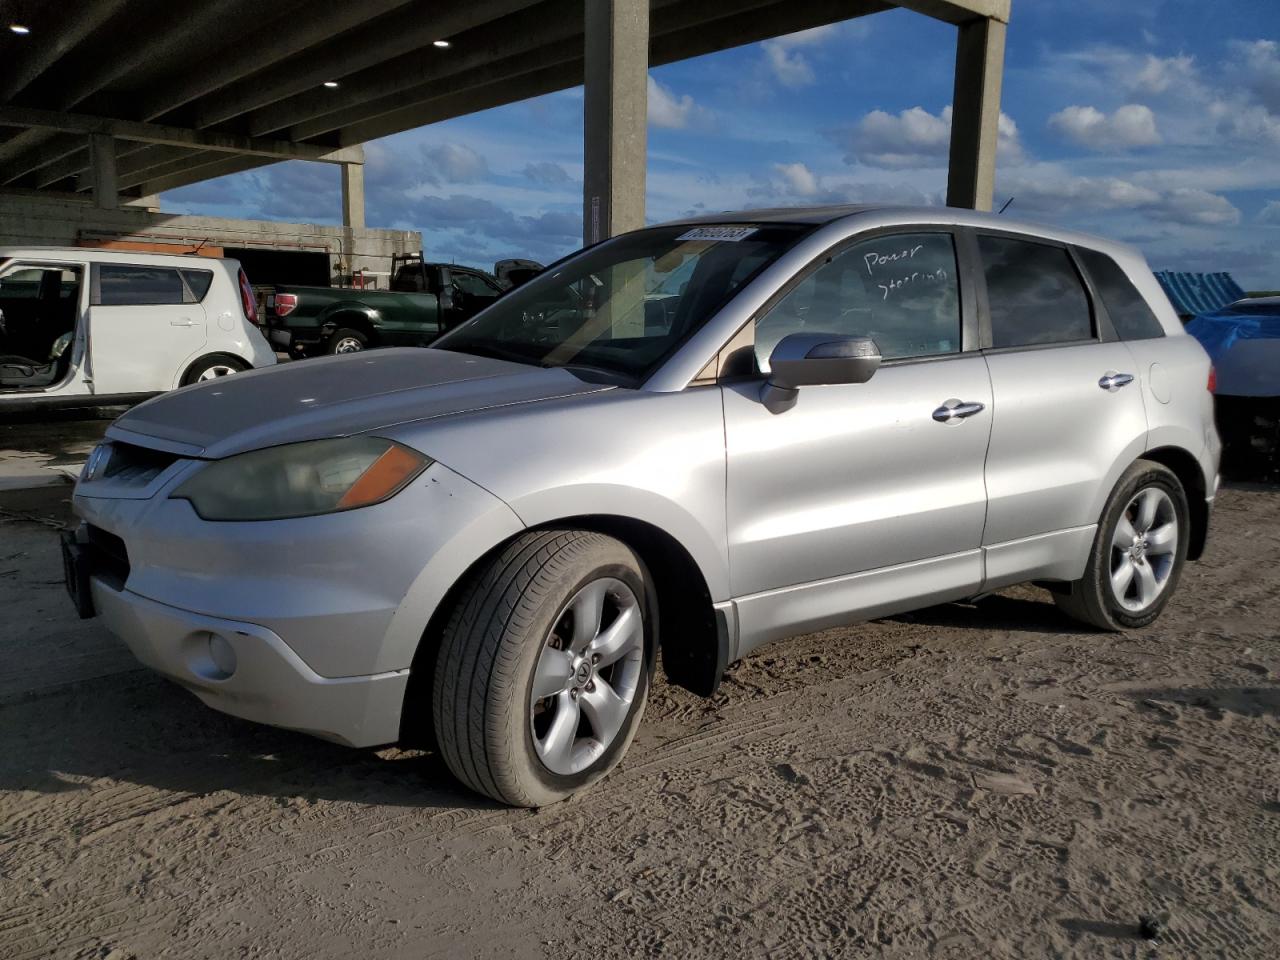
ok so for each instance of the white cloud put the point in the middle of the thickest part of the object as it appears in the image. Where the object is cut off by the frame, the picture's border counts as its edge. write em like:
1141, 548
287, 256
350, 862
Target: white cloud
1049, 190
1129, 126
1158, 74
915, 138
1248, 124
786, 61
547, 173
1269, 215
1258, 67
673, 112
798, 177
453, 163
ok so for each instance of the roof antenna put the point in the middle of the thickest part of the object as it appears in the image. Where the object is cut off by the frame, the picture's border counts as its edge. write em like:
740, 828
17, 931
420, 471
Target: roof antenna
1005, 207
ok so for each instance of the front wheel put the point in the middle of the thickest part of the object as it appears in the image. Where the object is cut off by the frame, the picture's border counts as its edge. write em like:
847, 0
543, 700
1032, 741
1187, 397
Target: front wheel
544, 667
1138, 552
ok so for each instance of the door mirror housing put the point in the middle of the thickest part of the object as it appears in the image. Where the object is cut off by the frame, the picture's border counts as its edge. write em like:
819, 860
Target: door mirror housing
447, 297
813, 359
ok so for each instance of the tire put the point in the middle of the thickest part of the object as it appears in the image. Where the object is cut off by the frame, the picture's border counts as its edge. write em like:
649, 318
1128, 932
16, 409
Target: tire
514, 625
346, 340
213, 366
1147, 498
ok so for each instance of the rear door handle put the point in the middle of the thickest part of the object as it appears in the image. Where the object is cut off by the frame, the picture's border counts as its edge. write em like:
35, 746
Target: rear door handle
1112, 381
953, 410
184, 322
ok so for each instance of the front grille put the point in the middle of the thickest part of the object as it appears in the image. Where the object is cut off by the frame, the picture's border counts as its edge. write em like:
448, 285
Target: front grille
110, 557
136, 466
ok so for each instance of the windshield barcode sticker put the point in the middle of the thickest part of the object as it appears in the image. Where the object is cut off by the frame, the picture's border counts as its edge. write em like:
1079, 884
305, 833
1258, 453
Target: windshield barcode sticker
728, 234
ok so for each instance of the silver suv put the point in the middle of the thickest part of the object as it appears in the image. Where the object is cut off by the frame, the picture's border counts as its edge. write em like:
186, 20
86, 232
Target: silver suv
694, 439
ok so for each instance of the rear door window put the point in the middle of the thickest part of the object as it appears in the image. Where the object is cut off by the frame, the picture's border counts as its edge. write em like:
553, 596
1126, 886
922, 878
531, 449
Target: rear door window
1127, 308
120, 285
1034, 294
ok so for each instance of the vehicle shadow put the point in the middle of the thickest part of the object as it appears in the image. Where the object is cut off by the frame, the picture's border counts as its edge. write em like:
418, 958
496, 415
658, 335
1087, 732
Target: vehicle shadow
998, 611
141, 729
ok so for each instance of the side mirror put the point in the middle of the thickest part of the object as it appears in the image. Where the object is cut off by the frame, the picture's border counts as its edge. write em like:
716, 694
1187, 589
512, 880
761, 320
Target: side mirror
811, 359
447, 298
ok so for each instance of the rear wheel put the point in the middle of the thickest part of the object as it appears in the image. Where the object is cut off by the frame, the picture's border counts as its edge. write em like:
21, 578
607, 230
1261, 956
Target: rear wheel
212, 367
1138, 552
544, 667
346, 340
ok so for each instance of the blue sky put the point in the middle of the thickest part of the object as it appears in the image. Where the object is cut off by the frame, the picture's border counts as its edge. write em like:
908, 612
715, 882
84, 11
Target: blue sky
1157, 123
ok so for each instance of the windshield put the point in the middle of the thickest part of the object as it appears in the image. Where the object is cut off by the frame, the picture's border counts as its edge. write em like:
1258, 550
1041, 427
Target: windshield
625, 305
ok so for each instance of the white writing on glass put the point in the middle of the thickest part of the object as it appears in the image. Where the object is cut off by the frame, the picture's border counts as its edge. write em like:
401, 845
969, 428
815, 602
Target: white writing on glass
931, 276
875, 259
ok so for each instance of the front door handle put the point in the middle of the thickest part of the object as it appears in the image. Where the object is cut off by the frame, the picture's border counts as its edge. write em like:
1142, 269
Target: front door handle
954, 410
1112, 381
183, 322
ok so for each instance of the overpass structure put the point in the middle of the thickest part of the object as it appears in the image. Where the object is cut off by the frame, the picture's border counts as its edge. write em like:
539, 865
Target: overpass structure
109, 102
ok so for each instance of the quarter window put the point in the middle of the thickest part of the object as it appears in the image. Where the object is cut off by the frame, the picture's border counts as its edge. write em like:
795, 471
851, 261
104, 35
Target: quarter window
138, 286
1034, 294
1127, 308
900, 290
198, 282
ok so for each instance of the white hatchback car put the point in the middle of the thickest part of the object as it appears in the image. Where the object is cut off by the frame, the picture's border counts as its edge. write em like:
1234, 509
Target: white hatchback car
82, 326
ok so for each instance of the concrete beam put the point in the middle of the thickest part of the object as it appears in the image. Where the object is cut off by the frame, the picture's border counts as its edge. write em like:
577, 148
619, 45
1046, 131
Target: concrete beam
342, 56
353, 195
960, 11
43, 50
172, 136
615, 121
271, 42
548, 28
975, 114
106, 190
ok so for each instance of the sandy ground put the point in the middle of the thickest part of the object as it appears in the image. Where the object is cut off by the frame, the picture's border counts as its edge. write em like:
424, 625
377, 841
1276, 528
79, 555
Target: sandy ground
968, 781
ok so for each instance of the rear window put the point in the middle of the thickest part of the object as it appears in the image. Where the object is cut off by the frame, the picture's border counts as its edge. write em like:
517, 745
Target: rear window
1034, 294
1126, 307
198, 281
137, 286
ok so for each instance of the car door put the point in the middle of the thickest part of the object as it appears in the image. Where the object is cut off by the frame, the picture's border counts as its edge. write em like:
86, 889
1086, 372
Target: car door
145, 328
472, 292
1068, 413
862, 498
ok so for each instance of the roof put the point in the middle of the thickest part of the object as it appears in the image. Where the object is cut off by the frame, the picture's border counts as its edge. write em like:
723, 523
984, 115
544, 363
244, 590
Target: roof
1195, 293
907, 215
192, 90
101, 255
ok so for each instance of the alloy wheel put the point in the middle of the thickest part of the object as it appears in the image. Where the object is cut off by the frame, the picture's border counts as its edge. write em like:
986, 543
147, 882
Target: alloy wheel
215, 371
348, 345
1144, 549
587, 676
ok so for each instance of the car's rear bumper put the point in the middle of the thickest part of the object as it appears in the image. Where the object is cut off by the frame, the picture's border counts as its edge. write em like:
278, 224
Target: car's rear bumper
246, 670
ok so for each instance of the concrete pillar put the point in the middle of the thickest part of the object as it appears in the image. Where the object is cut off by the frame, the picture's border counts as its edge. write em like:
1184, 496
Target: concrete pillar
353, 195
615, 117
975, 113
102, 153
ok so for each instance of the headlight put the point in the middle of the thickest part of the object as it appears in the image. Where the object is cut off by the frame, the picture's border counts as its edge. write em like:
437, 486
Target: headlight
302, 479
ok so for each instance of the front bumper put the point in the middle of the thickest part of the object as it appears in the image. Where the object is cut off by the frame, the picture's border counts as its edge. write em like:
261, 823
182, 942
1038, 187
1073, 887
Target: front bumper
247, 671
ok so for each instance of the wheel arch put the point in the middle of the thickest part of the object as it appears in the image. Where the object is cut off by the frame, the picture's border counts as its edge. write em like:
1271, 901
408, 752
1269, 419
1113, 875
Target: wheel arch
693, 658
1189, 473
353, 316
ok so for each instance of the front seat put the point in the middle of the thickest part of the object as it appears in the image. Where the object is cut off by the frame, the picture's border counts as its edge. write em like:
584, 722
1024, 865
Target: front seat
22, 372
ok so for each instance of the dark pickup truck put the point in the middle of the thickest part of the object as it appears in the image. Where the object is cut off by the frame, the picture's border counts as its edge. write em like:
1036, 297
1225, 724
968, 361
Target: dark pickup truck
424, 301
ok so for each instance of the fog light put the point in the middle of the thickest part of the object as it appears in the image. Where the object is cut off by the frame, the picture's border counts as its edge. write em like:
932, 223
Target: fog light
222, 654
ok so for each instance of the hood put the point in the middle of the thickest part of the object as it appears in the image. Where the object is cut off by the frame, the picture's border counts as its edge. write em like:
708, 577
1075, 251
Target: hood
335, 397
